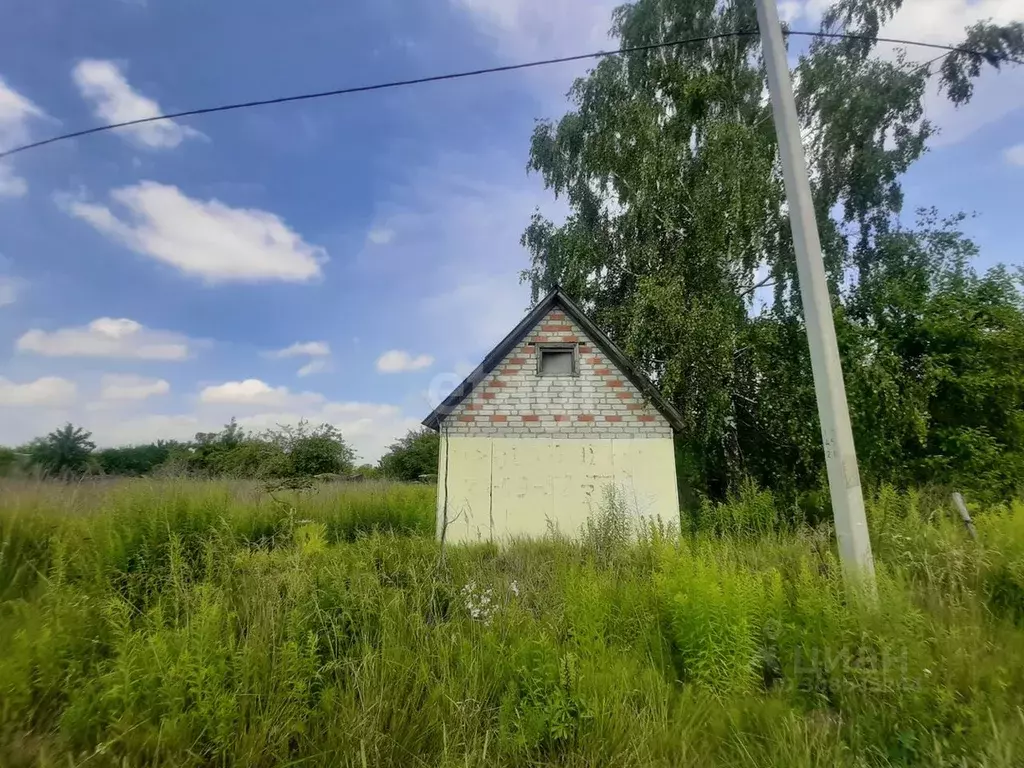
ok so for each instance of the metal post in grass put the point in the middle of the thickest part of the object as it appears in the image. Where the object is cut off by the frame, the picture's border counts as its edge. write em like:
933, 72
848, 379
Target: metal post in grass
836, 432
965, 516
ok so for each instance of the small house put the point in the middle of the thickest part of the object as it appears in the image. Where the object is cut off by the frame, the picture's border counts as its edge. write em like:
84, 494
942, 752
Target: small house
553, 418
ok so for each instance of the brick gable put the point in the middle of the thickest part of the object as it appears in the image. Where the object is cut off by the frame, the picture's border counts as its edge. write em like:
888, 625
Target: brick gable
513, 400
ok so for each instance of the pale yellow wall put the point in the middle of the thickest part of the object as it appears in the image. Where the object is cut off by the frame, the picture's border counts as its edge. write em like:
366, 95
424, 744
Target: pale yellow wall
502, 487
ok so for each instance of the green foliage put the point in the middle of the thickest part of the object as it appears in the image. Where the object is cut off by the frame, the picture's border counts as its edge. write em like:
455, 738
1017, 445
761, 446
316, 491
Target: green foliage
8, 461
314, 451
136, 460
368, 472
65, 451
413, 456
295, 452
190, 623
678, 224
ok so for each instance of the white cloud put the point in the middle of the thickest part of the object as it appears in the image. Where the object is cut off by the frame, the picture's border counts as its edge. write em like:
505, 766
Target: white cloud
106, 337
11, 185
131, 387
317, 351
206, 239
399, 361
1015, 155
790, 10
113, 100
314, 366
16, 111
520, 30
380, 235
302, 349
10, 287
46, 391
528, 28
253, 392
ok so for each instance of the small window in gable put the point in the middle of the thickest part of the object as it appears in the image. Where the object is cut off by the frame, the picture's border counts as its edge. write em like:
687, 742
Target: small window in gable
557, 361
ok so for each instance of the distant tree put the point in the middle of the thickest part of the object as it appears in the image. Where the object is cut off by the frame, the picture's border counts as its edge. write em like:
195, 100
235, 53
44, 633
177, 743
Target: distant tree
252, 457
412, 457
366, 472
135, 460
65, 450
314, 450
286, 452
8, 461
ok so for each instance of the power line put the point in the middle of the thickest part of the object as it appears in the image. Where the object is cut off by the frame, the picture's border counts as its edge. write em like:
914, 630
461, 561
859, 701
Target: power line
489, 71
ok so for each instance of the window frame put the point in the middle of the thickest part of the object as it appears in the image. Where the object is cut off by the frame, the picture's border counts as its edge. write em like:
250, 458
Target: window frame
557, 347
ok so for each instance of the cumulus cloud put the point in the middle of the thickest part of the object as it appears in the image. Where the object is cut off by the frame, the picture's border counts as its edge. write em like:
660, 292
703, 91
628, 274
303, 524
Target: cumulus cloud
113, 100
519, 30
399, 361
302, 349
16, 112
380, 235
10, 287
317, 351
253, 392
11, 185
313, 366
528, 28
47, 391
1015, 155
106, 337
203, 238
131, 387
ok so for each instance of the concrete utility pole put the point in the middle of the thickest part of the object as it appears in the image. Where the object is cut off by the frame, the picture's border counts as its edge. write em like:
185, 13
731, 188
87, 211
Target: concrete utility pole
836, 433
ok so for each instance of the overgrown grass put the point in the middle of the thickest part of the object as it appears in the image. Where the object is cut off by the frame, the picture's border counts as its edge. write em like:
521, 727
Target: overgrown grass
204, 624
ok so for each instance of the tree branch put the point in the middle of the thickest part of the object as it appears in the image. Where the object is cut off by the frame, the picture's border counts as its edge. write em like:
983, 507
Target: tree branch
763, 284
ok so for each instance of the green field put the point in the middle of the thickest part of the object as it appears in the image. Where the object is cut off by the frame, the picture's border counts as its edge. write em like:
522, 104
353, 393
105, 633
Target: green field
183, 623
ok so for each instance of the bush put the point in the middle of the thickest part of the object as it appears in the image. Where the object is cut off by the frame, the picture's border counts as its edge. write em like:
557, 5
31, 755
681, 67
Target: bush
413, 457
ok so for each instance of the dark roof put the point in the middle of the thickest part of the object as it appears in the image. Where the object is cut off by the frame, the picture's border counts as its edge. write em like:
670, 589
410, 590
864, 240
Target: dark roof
506, 345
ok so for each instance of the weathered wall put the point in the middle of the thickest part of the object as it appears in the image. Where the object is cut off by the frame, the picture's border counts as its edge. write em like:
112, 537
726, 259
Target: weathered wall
502, 487
597, 402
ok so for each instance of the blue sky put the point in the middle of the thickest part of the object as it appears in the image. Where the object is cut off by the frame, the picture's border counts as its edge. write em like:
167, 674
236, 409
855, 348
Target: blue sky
341, 260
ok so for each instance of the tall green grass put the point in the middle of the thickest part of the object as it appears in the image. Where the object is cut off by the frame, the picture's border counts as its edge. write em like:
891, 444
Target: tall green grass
204, 624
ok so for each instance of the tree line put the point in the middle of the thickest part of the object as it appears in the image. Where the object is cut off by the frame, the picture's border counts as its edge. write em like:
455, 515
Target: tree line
285, 453
678, 243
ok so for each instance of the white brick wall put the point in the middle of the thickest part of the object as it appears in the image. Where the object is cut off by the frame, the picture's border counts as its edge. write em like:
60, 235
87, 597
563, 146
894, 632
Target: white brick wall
598, 401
